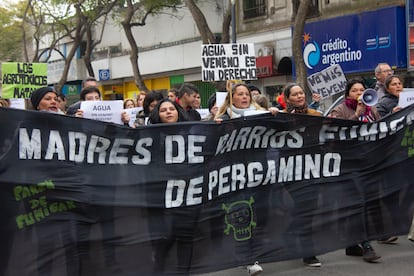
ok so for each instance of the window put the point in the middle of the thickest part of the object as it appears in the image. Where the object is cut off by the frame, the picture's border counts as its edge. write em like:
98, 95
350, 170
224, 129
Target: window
253, 8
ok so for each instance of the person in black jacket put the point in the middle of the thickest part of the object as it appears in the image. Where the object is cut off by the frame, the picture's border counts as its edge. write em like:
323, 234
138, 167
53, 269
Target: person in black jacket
389, 103
186, 97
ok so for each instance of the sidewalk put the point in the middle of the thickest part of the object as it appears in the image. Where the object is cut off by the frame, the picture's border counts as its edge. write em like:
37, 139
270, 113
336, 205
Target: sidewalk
397, 260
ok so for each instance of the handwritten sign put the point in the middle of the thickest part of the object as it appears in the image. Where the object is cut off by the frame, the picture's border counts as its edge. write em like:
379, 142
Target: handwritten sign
328, 82
204, 112
107, 111
132, 112
406, 97
20, 79
222, 62
220, 98
18, 103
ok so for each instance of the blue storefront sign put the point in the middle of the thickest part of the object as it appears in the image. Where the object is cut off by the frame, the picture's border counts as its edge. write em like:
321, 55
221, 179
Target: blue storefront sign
104, 74
357, 42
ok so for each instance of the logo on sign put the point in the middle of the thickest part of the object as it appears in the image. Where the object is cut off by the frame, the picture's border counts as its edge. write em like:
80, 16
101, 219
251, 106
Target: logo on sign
104, 74
311, 52
335, 50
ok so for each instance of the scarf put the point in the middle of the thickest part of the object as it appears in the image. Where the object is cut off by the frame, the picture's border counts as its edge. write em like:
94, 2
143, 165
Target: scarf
238, 112
290, 108
366, 117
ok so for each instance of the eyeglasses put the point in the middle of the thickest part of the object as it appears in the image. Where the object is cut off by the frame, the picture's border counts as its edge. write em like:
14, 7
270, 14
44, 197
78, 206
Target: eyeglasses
388, 71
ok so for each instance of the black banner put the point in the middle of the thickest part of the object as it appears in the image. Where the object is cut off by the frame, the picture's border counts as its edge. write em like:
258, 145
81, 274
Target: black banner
83, 197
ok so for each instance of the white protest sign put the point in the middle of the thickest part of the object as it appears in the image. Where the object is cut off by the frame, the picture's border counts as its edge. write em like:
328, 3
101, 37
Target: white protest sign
222, 62
107, 111
18, 103
220, 98
328, 82
132, 112
406, 97
204, 112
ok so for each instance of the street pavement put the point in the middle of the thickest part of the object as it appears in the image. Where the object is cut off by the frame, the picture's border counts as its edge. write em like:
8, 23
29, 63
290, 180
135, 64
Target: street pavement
396, 260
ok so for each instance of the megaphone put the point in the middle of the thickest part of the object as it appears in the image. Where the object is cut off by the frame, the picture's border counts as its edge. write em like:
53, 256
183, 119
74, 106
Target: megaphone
369, 97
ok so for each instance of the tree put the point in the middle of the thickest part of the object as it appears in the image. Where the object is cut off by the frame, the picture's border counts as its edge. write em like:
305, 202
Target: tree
135, 15
299, 27
206, 34
11, 46
70, 22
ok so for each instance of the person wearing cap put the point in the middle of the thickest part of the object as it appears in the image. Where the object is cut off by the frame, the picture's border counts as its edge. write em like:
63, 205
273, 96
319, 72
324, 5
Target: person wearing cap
45, 99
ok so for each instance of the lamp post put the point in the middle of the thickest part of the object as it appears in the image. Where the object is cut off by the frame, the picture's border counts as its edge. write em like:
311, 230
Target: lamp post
233, 21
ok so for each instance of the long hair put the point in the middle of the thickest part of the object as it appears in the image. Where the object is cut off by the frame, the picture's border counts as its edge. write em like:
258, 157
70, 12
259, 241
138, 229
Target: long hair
228, 102
149, 98
154, 116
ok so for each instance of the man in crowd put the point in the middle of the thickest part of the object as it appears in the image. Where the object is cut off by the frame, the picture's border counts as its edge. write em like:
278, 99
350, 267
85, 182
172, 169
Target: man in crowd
382, 71
89, 81
186, 97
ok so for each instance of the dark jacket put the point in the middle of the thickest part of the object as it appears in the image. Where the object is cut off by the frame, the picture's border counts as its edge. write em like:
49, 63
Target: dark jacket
73, 108
386, 104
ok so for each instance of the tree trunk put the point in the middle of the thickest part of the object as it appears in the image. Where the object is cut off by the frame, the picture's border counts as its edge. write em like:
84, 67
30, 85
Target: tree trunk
206, 34
126, 24
299, 26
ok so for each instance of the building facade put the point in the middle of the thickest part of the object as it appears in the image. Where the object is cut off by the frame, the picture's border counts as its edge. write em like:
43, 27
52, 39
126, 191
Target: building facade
170, 44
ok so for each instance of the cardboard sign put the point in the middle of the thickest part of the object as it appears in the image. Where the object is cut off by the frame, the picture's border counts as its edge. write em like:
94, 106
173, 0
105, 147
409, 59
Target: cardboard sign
328, 82
20, 79
406, 97
132, 112
18, 103
222, 62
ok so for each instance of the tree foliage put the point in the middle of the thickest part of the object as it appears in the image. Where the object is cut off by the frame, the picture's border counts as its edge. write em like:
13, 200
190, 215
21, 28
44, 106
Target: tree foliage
70, 22
11, 42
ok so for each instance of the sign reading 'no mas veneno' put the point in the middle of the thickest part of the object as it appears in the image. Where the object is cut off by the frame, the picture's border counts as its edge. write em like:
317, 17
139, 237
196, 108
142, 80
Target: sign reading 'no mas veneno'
20, 79
222, 62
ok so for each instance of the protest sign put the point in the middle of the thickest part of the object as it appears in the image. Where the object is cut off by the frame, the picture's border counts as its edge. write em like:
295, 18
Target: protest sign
20, 79
222, 62
328, 82
106, 111
18, 103
204, 112
220, 98
132, 112
83, 197
406, 97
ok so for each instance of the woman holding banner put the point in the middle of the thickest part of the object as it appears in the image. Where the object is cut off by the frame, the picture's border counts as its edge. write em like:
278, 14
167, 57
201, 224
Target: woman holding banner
238, 103
170, 228
304, 197
45, 99
167, 111
389, 103
52, 233
353, 108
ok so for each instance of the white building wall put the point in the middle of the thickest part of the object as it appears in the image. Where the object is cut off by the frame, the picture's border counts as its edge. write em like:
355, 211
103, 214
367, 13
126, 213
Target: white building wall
159, 30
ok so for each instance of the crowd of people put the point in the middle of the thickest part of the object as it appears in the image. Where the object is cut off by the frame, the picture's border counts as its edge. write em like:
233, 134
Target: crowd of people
182, 104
